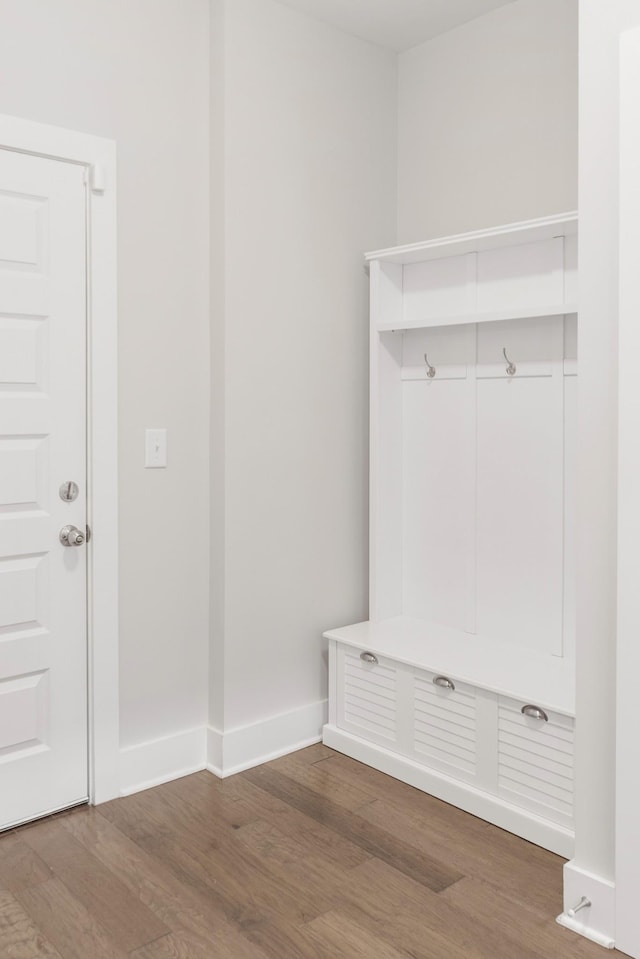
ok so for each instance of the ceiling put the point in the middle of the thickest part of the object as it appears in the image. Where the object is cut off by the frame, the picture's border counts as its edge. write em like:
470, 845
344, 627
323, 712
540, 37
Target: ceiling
396, 24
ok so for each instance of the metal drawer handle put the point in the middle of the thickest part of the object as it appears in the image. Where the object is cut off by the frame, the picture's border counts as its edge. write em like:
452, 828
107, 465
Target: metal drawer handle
443, 682
534, 712
369, 658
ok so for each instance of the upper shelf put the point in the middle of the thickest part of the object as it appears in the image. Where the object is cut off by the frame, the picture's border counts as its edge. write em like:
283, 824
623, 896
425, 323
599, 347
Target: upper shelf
517, 313
511, 234
522, 271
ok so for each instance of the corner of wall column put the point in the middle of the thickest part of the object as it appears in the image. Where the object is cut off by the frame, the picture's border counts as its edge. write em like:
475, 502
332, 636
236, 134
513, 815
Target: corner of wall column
217, 394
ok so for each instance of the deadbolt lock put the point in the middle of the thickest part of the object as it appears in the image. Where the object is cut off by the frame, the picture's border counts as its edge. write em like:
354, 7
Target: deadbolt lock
69, 491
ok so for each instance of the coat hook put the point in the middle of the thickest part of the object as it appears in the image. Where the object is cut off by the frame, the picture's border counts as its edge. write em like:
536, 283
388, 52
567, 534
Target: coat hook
511, 368
431, 370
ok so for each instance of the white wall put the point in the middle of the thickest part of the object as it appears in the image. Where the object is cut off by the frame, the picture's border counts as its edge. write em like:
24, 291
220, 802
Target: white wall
217, 275
302, 163
487, 129
138, 72
309, 126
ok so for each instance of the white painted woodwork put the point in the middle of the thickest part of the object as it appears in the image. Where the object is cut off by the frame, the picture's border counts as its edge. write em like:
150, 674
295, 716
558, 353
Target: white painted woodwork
444, 287
500, 237
472, 533
478, 802
504, 668
438, 478
520, 491
570, 486
535, 761
385, 480
519, 276
368, 703
571, 268
445, 721
627, 850
527, 270
43, 608
467, 733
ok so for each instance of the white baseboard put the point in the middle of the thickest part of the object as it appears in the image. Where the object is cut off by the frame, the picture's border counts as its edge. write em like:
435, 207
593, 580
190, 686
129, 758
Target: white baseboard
597, 921
495, 810
161, 760
234, 750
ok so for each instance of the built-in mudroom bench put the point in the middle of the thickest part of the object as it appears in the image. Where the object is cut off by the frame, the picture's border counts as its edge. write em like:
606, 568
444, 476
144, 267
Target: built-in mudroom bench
462, 681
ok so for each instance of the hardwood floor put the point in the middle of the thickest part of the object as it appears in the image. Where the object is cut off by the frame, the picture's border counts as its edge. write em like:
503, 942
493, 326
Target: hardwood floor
313, 856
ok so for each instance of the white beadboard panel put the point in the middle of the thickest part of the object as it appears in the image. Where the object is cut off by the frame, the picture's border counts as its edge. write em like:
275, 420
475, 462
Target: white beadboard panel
523, 275
571, 268
520, 475
368, 697
385, 483
451, 351
446, 346
438, 497
571, 337
444, 287
444, 727
535, 762
527, 341
558, 756
570, 519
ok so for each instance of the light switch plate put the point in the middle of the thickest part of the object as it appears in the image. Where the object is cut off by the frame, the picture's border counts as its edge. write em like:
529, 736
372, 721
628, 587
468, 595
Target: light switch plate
155, 449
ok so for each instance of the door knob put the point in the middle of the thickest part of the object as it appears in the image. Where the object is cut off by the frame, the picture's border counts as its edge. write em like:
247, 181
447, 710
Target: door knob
72, 536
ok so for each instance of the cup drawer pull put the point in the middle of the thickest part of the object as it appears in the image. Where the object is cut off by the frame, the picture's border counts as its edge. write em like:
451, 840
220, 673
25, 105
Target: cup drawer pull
534, 712
369, 658
443, 682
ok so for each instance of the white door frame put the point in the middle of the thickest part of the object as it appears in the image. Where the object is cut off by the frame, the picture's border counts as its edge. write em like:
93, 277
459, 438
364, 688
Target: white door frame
628, 648
98, 156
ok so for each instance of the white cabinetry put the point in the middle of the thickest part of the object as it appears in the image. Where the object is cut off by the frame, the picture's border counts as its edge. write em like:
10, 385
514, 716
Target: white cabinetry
473, 403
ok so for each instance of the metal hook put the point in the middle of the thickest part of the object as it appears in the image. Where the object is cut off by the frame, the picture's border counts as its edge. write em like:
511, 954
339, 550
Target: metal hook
511, 368
431, 370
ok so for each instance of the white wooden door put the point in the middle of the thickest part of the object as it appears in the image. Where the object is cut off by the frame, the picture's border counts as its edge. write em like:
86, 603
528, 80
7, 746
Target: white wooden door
43, 608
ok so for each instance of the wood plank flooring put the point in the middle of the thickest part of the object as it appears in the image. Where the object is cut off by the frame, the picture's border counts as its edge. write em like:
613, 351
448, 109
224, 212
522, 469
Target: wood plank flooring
313, 856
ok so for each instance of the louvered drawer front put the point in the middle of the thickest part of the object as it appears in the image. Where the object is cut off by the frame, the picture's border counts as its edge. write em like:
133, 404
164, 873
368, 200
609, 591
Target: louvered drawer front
535, 762
444, 727
368, 699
